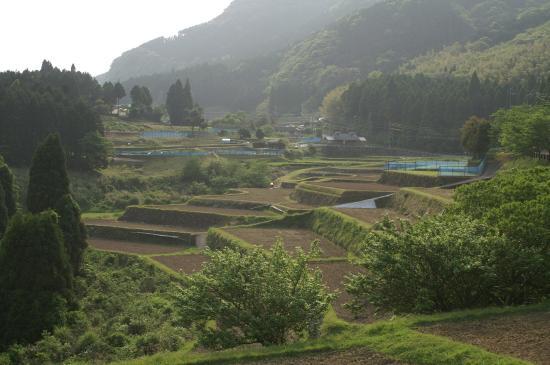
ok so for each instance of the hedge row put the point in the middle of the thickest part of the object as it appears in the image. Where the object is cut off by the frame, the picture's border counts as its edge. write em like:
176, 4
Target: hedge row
228, 204
414, 202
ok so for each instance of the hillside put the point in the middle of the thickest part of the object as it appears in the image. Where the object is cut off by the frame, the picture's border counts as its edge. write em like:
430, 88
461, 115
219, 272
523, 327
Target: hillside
248, 28
527, 54
385, 36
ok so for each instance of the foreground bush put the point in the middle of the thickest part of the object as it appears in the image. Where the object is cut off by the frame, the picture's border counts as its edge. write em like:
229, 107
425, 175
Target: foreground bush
445, 263
254, 297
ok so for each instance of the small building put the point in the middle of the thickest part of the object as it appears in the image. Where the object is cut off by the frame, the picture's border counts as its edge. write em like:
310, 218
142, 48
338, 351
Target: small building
344, 138
543, 155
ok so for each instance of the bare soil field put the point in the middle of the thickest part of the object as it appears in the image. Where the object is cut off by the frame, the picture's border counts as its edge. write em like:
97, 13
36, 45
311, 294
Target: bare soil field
187, 264
212, 210
357, 186
525, 336
292, 238
370, 216
334, 275
357, 356
141, 226
133, 247
277, 196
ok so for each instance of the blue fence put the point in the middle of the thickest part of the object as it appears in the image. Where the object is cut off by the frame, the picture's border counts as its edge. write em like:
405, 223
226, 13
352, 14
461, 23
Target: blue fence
443, 167
164, 134
183, 153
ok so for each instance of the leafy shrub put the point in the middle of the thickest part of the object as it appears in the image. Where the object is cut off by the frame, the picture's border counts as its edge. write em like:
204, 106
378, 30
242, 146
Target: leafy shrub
254, 297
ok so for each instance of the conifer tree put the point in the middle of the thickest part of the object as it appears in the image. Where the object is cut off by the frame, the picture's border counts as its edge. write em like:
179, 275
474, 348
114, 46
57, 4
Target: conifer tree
175, 103
74, 231
48, 181
36, 278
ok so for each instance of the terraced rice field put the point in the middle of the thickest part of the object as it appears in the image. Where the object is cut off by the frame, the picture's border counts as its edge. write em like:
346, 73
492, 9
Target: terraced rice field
370, 216
135, 248
277, 196
356, 186
443, 193
186, 264
212, 210
141, 226
291, 238
525, 336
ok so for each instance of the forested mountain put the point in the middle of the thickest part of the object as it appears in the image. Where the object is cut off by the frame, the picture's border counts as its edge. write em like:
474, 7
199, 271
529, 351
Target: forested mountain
527, 54
386, 35
505, 39
248, 28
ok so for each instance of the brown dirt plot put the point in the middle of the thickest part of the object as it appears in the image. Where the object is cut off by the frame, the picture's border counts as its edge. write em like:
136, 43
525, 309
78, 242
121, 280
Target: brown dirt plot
525, 336
292, 238
133, 247
187, 264
277, 196
370, 216
142, 226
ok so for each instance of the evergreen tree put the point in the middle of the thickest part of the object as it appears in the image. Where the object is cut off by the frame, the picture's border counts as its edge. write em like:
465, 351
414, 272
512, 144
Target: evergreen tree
36, 278
48, 181
175, 103
119, 92
8, 185
74, 231
475, 136
188, 103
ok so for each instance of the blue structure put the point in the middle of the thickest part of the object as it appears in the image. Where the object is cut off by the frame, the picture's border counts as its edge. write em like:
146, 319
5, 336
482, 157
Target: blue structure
444, 168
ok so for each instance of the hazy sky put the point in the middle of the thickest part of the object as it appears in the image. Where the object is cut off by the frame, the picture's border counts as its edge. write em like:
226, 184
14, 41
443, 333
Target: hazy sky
90, 33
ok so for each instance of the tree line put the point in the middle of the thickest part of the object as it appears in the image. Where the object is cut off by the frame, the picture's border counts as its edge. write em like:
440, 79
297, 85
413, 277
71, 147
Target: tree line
34, 104
424, 112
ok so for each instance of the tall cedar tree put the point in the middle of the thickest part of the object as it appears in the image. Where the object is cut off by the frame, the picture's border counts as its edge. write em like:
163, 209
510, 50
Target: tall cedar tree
3, 212
175, 104
48, 181
74, 231
8, 185
36, 278
475, 136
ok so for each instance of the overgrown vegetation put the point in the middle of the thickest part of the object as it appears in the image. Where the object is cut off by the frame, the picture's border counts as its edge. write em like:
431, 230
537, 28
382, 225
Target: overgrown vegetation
492, 248
125, 310
219, 175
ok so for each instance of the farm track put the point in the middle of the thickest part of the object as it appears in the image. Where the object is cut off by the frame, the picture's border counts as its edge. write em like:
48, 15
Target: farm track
134, 248
525, 336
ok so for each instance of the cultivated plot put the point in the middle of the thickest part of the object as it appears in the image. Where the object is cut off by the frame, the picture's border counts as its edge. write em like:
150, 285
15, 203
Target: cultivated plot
291, 239
133, 247
525, 336
186, 264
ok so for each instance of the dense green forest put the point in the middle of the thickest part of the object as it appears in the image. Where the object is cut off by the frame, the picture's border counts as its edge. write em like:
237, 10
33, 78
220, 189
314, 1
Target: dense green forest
36, 103
428, 112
